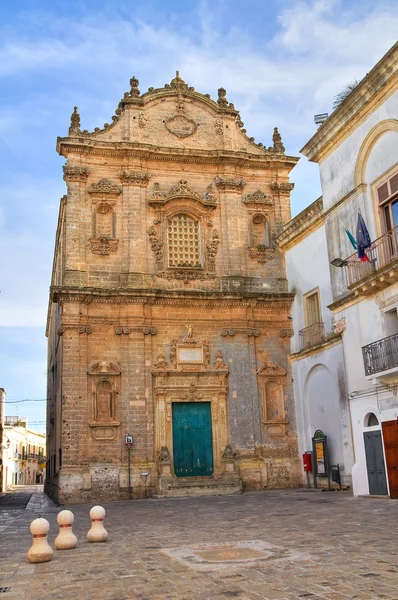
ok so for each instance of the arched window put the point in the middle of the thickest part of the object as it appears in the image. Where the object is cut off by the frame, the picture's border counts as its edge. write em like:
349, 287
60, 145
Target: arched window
184, 242
371, 420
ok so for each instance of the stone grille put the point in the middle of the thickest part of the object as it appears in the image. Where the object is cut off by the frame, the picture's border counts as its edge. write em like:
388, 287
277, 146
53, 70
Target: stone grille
184, 244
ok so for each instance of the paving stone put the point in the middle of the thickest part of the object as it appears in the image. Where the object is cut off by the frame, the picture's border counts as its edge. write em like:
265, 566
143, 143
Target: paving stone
343, 560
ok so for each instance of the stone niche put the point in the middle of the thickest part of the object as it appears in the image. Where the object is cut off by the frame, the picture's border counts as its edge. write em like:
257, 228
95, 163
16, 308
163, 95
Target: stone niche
272, 382
103, 389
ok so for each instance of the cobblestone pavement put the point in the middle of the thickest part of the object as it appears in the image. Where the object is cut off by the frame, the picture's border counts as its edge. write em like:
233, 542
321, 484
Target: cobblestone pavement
275, 545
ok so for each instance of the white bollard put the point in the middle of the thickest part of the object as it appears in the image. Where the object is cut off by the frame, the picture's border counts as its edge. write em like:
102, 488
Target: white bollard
66, 539
40, 551
97, 533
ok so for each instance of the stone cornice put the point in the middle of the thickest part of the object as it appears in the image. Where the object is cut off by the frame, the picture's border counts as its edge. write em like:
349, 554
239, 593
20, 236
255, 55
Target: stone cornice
91, 147
170, 298
302, 225
372, 91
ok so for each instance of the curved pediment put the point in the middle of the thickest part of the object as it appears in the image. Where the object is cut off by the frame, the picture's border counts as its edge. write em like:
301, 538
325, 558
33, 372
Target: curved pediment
175, 116
182, 189
271, 369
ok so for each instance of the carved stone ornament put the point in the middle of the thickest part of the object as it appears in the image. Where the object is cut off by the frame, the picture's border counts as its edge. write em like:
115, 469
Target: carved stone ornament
218, 125
164, 455
262, 253
161, 362
222, 98
134, 91
219, 363
277, 143
283, 187
75, 173
178, 83
211, 247
81, 328
104, 367
232, 185
340, 325
286, 333
142, 118
181, 190
257, 197
103, 246
104, 186
228, 453
74, 122
137, 177
250, 331
271, 369
126, 330
192, 394
181, 126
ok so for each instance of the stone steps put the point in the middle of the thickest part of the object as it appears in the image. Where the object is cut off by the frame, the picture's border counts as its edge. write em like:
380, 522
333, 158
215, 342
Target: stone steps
200, 486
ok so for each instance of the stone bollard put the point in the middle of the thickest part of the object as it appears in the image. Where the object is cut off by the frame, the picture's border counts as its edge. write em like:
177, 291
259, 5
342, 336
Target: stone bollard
97, 533
40, 551
66, 539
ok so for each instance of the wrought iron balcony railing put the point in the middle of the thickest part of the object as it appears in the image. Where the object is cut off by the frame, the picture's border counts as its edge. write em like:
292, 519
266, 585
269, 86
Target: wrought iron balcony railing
380, 253
381, 355
311, 336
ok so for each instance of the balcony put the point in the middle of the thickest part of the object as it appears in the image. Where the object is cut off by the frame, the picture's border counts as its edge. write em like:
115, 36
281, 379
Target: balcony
311, 336
382, 270
381, 356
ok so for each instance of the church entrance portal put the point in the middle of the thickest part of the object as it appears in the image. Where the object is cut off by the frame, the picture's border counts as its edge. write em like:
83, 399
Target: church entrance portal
192, 439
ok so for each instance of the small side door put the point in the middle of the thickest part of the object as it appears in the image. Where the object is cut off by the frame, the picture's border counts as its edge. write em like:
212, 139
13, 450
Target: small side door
390, 436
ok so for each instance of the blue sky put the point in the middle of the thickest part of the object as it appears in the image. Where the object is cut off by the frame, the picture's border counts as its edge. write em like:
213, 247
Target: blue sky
281, 62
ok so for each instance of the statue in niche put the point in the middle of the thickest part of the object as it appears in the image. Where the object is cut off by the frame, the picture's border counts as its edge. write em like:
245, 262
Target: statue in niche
189, 334
104, 405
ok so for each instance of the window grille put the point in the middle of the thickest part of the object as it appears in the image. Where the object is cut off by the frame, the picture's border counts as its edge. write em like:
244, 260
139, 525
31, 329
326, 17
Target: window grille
184, 242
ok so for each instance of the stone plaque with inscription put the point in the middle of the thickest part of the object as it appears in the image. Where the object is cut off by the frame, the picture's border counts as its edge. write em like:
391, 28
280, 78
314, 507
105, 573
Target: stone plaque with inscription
187, 354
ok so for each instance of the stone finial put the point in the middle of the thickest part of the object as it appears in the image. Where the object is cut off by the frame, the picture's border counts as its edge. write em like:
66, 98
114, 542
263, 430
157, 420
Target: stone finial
277, 140
222, 100
134, 91
178, 83
74, 122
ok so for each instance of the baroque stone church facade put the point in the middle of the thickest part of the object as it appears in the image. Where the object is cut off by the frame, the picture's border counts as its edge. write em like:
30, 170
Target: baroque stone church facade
169, 313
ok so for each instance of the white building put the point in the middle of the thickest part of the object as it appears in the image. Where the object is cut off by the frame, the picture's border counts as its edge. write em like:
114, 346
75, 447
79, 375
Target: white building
317, 347
354, 371
24, 454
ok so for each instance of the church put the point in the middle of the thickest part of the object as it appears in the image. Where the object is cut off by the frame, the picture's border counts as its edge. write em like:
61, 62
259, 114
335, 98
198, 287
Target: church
169, 315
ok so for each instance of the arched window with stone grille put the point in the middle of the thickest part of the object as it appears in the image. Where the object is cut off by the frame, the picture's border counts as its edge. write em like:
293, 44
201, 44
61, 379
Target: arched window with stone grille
184, 242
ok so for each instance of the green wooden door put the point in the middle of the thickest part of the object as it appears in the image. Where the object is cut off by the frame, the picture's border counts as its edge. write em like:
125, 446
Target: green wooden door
192, 445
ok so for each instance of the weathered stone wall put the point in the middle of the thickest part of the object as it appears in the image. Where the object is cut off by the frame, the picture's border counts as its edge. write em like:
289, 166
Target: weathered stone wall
121, 304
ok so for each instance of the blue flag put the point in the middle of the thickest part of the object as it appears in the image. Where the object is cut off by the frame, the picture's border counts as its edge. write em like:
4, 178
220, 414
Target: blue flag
363, 238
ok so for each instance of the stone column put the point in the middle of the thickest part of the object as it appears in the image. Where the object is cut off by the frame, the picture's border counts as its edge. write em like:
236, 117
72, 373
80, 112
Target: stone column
75, 235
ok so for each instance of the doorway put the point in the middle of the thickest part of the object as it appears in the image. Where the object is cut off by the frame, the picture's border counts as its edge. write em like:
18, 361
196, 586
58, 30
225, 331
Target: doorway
192, 439
375, 463
390, 436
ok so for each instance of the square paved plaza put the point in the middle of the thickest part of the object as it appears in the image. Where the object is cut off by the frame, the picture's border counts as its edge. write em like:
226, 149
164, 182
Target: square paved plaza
276, 545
